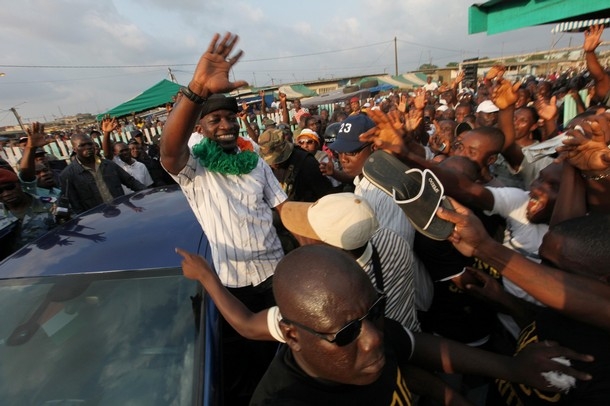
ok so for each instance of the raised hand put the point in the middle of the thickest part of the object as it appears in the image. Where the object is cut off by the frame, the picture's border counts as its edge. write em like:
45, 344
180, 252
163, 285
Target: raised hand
459, 78
402, 106
468, 233
388, 134
588, 152
109, 124
504, 94
593, 37
496, 71
212, 72
546, 110
413, 119
36, 135
419, 102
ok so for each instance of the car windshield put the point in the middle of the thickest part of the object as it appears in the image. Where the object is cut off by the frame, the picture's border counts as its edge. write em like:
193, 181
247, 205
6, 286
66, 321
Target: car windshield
109, 339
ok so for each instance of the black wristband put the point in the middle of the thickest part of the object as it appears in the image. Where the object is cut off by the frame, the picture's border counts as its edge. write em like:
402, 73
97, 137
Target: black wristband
192, 96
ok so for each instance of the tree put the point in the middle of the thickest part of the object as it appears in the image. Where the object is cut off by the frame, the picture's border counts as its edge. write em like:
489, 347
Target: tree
426, 66
452, 65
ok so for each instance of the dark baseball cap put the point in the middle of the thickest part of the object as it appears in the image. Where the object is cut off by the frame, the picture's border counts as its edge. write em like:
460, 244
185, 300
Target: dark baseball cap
350, 130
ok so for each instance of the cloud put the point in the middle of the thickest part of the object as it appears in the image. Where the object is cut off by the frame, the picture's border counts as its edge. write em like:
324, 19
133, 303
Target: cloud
155, 32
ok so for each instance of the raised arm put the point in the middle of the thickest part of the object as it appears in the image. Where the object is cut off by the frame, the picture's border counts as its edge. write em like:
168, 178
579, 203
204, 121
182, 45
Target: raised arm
263, 104
108, 126
284, 108
211, 76
579, 297
243, 115
36, 138
248, 324
592, 41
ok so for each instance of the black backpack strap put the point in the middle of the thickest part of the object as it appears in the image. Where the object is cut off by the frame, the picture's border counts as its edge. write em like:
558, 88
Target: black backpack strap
377, 269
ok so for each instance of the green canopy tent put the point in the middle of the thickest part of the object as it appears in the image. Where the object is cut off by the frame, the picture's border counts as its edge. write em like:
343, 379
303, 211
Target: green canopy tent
496, 16
156, 96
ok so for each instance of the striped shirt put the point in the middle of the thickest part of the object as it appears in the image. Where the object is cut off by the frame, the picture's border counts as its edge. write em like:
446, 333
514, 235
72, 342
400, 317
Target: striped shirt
391, 216
397, 269
235, 214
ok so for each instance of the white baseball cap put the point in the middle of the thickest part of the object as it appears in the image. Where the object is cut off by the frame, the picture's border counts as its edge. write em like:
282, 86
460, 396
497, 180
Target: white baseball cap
342, 220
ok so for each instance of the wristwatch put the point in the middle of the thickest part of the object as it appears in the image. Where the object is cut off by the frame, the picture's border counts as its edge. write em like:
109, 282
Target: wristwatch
192, 96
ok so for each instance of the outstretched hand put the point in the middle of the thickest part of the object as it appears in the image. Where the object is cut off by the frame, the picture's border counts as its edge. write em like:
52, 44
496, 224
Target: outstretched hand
496, 71
468, 233
546, 110
388, 134
36, 135
593, 37
589, 151
195, 266
504, 94
109, 124
212, 72
537, 358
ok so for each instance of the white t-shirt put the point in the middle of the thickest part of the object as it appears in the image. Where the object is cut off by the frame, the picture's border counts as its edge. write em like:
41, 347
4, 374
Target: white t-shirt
136, 169
430, 87
520, 235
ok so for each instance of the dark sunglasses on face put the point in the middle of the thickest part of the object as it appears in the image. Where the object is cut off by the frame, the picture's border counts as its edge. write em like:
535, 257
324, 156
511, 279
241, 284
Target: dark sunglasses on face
348, 333
306, 142
7, 187
356, 152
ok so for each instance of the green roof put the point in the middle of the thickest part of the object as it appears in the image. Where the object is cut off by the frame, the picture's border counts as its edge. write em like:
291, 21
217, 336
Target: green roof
498, 16
156, 96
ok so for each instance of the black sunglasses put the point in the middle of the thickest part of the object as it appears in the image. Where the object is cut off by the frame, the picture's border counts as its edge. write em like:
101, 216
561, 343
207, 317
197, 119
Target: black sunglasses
356, 152
7, 187
351, 330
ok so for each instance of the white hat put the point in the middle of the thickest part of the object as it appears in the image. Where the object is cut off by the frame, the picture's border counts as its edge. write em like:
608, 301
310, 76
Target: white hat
342, 220
487, 106
442, 107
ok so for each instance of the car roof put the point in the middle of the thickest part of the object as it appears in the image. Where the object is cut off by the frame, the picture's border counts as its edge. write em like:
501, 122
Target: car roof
136, 231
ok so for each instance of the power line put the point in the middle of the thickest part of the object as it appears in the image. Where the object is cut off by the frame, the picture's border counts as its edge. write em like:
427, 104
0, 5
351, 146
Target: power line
186, 64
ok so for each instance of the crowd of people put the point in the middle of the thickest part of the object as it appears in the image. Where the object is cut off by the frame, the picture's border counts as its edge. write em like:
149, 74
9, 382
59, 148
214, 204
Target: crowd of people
317, 245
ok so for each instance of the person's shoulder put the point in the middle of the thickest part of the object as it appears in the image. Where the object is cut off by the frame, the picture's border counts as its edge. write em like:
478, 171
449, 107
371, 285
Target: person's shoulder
399, 338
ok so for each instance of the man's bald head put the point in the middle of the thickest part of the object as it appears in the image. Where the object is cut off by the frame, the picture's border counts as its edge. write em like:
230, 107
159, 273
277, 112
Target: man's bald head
313, 277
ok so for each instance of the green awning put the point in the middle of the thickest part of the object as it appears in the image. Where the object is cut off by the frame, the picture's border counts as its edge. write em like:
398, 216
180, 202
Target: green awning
156, 96
497, 16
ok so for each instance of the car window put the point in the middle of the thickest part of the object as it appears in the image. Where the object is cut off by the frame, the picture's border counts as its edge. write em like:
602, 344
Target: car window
112, 339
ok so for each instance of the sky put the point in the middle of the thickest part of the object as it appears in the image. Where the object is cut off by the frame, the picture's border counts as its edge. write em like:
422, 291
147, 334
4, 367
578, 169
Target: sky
63, 57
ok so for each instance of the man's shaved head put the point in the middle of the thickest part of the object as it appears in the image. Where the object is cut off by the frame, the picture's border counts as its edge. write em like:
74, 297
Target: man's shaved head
313, 277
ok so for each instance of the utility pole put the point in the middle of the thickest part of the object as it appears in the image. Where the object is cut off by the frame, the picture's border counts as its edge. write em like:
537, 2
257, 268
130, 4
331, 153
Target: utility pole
395, 57
171, 75
14, 110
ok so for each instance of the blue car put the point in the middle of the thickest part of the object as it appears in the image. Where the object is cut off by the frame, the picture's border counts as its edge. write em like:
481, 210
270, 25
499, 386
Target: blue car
97, 311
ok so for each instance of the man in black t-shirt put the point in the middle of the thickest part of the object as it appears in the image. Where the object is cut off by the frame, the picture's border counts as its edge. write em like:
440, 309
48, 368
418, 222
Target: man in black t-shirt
341, 351
310, 369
